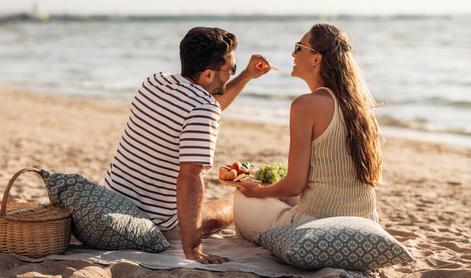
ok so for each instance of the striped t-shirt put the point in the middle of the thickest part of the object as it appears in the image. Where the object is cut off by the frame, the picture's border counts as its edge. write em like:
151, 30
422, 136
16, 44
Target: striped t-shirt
171, 121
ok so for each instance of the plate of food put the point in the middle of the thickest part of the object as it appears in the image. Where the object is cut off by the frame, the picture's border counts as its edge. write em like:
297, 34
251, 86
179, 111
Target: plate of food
237, 172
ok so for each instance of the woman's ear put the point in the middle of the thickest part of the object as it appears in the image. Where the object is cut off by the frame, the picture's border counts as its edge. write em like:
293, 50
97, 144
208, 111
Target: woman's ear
317, 59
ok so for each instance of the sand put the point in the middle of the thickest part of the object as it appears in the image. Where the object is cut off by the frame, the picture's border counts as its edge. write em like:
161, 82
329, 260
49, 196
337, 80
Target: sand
425, 200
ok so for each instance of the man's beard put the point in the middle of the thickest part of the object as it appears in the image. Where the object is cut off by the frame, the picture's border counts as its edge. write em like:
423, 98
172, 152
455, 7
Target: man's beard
219, 89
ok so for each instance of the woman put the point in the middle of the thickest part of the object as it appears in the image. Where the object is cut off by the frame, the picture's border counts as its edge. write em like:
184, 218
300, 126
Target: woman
334, 158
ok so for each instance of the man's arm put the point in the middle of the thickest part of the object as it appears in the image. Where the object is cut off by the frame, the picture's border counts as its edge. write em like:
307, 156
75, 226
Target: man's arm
256, 67
189, 209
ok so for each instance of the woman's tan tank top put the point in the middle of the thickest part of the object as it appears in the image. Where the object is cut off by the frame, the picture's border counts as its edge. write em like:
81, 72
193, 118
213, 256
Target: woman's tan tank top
333, 188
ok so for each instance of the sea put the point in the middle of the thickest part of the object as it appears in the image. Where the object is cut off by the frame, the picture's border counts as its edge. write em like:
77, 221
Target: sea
418, 67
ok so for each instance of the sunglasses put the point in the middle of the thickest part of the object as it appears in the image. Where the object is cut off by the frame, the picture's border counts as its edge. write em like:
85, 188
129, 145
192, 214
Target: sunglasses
232, 71
299, 45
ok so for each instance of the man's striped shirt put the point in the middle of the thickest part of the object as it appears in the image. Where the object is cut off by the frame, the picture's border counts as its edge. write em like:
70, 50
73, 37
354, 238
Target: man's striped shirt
171, 121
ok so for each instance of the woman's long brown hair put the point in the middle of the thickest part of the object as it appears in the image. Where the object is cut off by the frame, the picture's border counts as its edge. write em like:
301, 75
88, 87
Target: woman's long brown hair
341, 74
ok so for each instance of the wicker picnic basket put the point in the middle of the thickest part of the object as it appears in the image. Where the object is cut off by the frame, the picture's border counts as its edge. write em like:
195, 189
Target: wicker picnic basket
32, 229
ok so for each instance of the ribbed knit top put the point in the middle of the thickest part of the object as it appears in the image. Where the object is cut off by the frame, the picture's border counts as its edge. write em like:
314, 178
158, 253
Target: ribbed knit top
333, 188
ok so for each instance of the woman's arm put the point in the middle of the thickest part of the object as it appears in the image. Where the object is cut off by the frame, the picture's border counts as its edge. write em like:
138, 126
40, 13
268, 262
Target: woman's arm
301, 126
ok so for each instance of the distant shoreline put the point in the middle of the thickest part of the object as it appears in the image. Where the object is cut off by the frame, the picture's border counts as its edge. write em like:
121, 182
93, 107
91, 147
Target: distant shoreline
389, 131
391, 127
41, 17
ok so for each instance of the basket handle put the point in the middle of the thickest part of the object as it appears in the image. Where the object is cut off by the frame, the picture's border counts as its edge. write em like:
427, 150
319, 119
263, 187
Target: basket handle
10, 183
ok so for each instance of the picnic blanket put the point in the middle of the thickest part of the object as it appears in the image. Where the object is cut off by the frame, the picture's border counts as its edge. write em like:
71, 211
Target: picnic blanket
244, 256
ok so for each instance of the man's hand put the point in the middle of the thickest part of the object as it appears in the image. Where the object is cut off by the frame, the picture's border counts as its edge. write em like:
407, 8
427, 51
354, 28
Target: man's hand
189, 206
257, 66
198, 255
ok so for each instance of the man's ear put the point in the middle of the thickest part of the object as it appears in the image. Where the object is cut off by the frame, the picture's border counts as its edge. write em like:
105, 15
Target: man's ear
207, 76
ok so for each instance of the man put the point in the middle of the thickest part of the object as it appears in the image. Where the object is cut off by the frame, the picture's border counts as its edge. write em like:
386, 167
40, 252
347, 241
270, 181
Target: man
170, 137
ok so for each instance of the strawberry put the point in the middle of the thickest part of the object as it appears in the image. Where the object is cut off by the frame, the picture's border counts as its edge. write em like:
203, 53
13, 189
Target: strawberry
238, 167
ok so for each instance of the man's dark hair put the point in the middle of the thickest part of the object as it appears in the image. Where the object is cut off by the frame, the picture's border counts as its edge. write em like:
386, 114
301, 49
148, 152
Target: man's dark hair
205, 48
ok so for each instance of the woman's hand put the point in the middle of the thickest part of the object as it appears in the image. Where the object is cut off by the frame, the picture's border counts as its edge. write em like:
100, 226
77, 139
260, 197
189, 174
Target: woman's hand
249, 188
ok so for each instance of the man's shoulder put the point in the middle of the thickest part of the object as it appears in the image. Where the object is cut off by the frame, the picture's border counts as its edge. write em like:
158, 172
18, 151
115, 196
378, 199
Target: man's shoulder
187, 92
209, 108
160, 79
164, 79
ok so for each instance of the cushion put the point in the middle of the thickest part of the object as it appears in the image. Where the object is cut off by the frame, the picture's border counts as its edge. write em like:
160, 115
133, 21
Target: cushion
353, 243
102, 219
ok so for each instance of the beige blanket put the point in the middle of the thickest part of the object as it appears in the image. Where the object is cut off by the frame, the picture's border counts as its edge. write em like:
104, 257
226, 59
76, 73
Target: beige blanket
244, 257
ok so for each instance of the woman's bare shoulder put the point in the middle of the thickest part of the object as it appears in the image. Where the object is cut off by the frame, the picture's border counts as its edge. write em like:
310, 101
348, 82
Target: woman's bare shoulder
321, 100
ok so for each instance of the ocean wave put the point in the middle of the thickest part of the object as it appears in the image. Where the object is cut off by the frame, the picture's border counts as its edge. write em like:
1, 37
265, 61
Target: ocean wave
441, 101
272, 95
436, 100
421, 124
449, 102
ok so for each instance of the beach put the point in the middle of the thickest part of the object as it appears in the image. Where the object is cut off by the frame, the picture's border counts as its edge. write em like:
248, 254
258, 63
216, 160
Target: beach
424, 202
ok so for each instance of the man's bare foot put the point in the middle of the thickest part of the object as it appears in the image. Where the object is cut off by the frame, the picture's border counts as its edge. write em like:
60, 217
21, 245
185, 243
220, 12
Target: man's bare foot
217, 215
197, 254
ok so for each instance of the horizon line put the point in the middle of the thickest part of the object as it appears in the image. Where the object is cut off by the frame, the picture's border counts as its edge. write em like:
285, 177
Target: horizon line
236, 15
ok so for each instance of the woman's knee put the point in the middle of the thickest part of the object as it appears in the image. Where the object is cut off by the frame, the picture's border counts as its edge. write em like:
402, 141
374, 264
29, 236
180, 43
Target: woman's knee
255, 215
246, 215
247, 206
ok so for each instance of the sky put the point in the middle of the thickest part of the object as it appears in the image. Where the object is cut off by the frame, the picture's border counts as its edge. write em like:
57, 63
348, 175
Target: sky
174, 7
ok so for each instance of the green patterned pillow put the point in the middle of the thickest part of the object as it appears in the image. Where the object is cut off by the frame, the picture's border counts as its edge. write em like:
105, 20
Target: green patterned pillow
103, 219
352, 243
